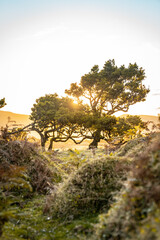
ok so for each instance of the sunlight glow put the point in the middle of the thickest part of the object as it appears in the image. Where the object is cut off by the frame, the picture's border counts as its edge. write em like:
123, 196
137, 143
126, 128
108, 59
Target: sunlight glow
53, 45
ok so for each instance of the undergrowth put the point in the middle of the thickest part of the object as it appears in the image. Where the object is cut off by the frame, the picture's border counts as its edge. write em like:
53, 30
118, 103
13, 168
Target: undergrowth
89, 189
135, 214
80, 194
30, 222
23, 171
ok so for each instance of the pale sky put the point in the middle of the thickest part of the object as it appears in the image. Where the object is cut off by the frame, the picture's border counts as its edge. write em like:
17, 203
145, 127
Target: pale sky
45, 45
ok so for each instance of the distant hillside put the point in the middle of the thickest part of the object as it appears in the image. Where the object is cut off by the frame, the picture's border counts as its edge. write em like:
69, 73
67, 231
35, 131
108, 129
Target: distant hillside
146, 118
13, 118
24, 120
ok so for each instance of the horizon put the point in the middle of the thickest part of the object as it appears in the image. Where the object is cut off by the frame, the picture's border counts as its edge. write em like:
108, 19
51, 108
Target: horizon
46, 45
118, 115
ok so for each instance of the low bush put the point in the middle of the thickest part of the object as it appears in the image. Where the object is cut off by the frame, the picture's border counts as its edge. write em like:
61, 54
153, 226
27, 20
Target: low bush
136, 146
13, 182
23, 171
27, 155
89, 189
135, 214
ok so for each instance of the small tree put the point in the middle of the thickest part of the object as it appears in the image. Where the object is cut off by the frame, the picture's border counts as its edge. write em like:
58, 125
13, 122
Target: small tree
128, 127
54, 118
2, 102
109, 90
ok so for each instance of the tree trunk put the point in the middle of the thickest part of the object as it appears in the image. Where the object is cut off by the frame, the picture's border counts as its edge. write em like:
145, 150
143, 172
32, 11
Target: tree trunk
50, 145
42, 136
96, 139
43, 143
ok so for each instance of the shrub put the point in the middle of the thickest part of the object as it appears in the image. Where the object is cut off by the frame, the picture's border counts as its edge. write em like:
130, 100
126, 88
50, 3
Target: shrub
89, 189
25, 154
13, 181
135, 214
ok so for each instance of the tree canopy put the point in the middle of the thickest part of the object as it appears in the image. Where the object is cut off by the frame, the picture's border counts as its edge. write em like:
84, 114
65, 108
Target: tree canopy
111, 89
54, 118
108, 91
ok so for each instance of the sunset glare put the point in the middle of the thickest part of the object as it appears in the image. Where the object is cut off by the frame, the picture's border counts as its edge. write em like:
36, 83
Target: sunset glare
46, 45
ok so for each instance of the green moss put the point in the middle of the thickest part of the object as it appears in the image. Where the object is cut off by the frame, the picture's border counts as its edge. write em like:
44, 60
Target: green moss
30, 223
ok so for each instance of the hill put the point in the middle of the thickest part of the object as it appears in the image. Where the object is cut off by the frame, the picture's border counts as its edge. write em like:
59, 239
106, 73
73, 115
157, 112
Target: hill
146, 118
13, 118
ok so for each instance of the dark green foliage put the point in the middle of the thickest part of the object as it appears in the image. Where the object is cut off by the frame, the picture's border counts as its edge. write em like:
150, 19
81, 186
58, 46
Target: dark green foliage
128, 128
112, 89
89, 189
54, 118
13, 182
108, 91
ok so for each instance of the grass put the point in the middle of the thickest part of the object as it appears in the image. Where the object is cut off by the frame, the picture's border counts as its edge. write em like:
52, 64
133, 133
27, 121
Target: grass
29, 222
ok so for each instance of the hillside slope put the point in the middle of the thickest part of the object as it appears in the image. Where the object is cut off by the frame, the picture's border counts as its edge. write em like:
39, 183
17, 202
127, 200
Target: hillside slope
13, 118
24, 119
146, 118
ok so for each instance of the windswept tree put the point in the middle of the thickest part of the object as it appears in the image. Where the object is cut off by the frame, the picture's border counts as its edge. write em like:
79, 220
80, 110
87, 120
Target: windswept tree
54, 118
109, 90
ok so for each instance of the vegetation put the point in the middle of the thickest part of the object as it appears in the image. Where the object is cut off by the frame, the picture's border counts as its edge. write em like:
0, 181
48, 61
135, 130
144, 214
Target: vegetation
23, 171
92, 186
2, 102
109, 193
80, 194
108, 91
135, 214
54, 118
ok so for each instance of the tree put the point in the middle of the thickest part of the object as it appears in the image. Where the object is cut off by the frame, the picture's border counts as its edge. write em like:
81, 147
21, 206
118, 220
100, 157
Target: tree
95, 128
109, 90
54, 118
2, 102
127, 128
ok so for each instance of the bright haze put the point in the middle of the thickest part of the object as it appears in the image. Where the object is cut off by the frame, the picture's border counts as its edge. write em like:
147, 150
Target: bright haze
45, 45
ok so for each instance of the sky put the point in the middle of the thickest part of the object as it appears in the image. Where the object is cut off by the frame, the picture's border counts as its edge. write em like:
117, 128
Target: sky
45, 45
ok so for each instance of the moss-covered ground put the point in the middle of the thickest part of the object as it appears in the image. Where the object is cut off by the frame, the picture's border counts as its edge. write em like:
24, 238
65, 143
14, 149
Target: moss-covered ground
29, 222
